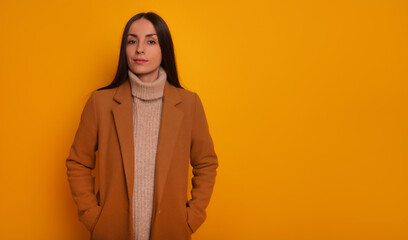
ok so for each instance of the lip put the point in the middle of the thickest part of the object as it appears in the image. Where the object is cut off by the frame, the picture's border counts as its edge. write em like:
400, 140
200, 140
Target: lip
140, 60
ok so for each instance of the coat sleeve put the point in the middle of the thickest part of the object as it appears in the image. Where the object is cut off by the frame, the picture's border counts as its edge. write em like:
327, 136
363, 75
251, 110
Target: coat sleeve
205, 163
81, 161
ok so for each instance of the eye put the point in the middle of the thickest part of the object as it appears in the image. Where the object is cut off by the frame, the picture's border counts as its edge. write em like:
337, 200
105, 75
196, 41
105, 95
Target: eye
131, 41
151, 42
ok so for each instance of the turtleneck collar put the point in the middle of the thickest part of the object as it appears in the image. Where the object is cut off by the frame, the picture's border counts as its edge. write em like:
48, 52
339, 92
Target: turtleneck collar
148, 90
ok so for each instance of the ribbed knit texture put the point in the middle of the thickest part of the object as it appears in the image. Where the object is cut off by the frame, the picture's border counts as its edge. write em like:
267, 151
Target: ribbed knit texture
147, 106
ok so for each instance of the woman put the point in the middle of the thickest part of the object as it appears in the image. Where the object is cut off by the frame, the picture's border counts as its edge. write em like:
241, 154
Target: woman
147, 130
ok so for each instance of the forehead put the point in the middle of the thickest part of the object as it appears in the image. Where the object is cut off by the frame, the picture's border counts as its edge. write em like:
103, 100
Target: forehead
142, 27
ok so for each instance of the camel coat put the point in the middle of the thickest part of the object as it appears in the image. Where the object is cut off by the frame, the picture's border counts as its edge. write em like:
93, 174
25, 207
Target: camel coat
106, 128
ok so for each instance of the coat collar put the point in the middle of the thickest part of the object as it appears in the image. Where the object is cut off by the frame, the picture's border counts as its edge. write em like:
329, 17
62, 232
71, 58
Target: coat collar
171, 119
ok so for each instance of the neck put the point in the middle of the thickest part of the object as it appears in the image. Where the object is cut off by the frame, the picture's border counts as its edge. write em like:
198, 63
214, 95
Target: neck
148, 90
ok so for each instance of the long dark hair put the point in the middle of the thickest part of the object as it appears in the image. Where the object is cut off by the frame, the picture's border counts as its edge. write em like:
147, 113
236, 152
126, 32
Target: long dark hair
166, 46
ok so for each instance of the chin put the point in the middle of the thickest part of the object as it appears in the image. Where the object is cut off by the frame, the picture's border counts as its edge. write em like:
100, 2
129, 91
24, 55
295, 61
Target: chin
142, 70
139, 70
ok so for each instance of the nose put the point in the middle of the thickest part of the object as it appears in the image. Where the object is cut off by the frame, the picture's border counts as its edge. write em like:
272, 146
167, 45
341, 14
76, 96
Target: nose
140, 48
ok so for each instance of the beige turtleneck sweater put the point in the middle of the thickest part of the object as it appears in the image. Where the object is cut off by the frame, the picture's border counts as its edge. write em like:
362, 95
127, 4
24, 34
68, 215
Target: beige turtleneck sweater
147, 106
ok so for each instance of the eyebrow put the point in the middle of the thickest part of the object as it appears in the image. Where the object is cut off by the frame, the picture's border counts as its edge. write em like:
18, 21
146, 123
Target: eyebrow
147, 35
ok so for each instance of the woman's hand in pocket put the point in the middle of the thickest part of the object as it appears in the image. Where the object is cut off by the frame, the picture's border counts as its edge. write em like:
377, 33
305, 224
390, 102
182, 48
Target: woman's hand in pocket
90, 217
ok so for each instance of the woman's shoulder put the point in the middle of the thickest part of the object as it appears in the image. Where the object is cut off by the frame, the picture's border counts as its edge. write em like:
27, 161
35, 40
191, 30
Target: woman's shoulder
186, 94
189, 97
106, 92
104, 96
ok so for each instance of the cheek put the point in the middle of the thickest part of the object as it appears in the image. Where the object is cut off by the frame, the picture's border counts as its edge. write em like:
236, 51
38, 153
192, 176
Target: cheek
158, 55
129, 51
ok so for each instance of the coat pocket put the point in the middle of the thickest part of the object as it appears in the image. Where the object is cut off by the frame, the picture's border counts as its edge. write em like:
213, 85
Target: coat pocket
186, 220
90, 217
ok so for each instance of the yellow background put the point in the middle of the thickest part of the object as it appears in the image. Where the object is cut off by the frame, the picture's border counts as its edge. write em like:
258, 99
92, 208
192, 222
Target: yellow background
306, 103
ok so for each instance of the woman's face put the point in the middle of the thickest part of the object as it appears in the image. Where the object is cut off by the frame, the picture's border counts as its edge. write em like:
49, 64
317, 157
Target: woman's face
143, 51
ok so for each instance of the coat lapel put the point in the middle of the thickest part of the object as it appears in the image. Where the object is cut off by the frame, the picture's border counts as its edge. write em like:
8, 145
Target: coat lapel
171, 119
123, 116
